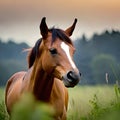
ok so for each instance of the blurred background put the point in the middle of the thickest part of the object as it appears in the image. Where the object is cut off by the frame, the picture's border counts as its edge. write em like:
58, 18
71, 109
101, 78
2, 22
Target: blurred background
96, 37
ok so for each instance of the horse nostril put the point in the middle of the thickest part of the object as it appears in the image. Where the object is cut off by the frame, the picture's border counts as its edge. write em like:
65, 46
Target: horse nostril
71, 79
70, 75
80, 74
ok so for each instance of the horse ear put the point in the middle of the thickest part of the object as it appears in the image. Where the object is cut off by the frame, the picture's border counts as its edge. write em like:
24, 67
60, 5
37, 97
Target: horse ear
43, 28
70, 30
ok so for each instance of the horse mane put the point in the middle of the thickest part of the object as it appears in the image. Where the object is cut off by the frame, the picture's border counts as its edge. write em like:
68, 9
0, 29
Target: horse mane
33, 53
56, 33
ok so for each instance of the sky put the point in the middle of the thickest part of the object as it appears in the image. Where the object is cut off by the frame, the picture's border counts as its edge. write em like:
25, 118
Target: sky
20, 19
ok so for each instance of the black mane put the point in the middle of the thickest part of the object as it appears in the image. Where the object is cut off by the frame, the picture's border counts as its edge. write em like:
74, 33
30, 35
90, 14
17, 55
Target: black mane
58, 33
34, 53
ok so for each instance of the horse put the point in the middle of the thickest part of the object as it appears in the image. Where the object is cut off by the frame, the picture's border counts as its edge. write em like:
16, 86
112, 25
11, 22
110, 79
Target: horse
51, 70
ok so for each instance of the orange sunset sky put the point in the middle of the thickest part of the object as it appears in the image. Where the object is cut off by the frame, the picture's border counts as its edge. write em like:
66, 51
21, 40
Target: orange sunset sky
20, 19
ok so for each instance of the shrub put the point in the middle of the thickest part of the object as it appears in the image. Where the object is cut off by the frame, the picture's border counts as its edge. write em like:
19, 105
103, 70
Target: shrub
29, 109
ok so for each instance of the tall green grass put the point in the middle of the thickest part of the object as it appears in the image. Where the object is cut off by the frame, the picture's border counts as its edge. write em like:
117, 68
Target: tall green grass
3, 112
94, 103
85, 103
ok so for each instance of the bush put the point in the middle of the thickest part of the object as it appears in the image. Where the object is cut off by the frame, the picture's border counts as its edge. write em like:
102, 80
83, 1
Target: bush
28, 109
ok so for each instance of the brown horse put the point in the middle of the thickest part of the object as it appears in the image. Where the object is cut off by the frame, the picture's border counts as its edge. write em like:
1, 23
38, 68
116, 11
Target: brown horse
51, 68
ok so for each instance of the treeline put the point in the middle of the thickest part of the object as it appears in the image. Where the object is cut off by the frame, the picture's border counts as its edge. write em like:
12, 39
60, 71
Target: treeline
12, 59
98, 58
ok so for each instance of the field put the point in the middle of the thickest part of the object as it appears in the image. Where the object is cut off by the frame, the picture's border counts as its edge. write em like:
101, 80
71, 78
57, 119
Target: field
93, 102
85, 103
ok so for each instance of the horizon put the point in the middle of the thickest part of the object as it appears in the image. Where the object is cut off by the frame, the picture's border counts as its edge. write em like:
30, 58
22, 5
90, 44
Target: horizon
79, 37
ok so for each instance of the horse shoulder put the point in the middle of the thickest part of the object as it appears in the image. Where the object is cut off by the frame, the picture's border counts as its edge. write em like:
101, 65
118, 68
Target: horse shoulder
13, 89
13, 79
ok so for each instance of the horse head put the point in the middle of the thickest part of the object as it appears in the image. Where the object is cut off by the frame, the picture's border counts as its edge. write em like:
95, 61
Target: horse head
55, 53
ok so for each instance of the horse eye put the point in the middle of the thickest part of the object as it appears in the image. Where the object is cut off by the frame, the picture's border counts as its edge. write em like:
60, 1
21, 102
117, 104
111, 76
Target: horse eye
53, 51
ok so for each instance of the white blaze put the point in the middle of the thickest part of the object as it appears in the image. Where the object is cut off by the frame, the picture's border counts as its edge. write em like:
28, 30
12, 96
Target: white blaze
65, 47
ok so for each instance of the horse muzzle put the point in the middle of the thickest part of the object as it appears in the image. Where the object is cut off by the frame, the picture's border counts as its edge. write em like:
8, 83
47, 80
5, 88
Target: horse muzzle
71, 79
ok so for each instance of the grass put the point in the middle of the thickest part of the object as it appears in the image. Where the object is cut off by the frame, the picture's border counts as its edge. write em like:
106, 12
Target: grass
85, 103
3, 112
93, 102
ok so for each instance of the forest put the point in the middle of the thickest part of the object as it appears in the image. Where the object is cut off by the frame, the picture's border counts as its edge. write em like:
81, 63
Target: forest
97, 58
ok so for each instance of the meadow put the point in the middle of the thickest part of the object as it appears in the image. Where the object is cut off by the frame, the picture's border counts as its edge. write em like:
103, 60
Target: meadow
85, 103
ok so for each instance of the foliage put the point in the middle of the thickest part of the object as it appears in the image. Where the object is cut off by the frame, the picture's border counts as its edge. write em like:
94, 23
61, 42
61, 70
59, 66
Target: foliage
110, 112
106, 43
9, 67
26, 109
3, 112
12, 50
29, 109
99, 107
12, 59
86, 103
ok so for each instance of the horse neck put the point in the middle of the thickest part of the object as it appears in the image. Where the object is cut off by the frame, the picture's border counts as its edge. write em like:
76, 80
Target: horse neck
42, 83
